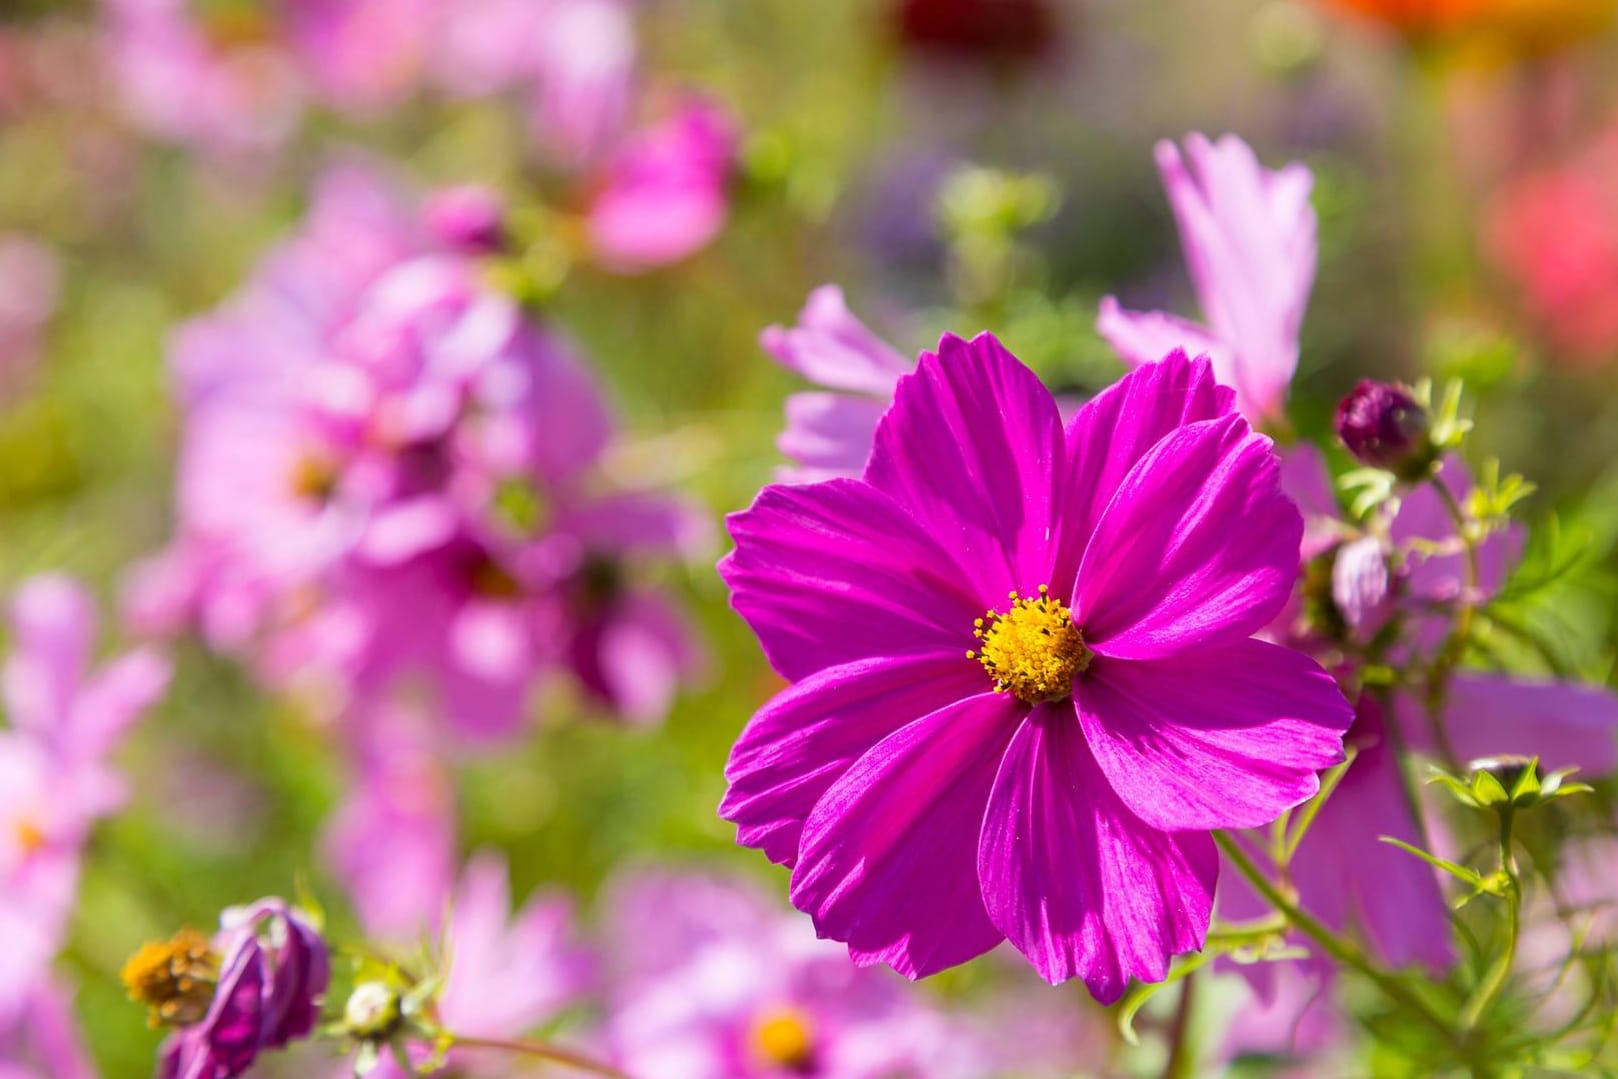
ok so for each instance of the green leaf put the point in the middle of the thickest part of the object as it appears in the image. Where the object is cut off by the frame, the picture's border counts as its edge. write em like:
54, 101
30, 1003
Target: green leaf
1460, 872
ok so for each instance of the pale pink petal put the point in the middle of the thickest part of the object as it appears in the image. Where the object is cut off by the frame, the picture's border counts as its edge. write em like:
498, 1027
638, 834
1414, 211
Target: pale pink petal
828, 434
1143, 337
1226, 736
832, 348
1076, 881
1199, 545
1486, 714
888, 862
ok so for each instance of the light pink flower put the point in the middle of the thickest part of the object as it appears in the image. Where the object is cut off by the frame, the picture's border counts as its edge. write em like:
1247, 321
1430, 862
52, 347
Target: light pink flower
664, 191
829, 433
1249, 239
41, 1038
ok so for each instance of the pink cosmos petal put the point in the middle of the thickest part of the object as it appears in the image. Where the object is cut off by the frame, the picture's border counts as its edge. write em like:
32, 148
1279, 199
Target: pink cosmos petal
53, 622
636, 656
114, 697
1564, 724
972, 448
1359, 581
1250, 246
1198, 546
632, 523
1343, 863
1227, 736
1307, 481
809, 734
832, 348
828, 434
836, 572
1442, 576
566, 405
1119, 426
1142, 338
888, 862
1076, 881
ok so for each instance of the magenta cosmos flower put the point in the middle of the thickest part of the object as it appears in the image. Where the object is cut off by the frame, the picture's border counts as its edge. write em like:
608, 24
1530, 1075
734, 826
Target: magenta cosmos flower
1249, 239
1024, 684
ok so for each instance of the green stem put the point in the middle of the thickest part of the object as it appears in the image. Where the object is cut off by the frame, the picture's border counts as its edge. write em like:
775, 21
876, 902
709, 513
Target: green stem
1495, 980
540, 1050
1342, 950
1181, 1063
1311, 809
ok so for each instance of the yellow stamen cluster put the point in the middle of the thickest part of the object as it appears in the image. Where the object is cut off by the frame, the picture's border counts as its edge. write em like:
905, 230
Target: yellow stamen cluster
31, 838
174, 978
1033, 650
782, 1038
314, 478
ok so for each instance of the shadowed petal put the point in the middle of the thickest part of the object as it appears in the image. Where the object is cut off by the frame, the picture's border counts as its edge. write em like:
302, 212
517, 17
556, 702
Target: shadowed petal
835, 572
808, 735
888, 862
1564, 724
972, 448
1199, 545
1082, 886
1225, 737
829, 434
1117, 427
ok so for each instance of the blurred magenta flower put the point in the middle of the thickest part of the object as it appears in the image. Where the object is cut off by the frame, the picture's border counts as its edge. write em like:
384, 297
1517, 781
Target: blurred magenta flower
257, 986
665, 190
55, 779
830, 434
468, 218
507, 974
1249, 239
1554, 235
1024, 680
714, 982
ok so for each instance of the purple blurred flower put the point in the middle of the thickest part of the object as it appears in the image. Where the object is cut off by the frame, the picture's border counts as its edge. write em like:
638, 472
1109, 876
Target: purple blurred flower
1249, 240
468, 218
830, 434
1384, 426
55, 781
941, 778
714, 982
257, 986
665, 190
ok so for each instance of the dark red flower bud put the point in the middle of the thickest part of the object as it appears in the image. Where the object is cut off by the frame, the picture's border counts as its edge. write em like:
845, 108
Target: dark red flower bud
1384, 426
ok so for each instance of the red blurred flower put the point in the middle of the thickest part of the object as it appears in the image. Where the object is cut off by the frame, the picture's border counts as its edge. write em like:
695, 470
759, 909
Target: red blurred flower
977, 29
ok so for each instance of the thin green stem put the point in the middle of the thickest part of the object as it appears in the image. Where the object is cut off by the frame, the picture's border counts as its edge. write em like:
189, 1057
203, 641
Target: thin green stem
1494, 981
541, 1051
1181, 1061
1344, 951
1311, 809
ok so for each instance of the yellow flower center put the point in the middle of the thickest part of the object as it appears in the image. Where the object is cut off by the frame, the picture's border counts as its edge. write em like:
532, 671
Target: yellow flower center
31, 838
782, 1038
314, 478
1033, 650
174, 978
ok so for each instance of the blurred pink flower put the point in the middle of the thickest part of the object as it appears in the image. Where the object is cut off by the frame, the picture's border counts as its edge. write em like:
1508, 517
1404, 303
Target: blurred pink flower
1249, 240
1554, 235
55, 780
829, 434
389, 477
508, 974
41, 1038
363, 56
664, 191
715, 982
30, 284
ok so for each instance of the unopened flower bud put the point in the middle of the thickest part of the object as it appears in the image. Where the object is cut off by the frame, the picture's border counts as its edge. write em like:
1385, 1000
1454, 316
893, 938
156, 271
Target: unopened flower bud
1384, 426
468, 218
372, 1011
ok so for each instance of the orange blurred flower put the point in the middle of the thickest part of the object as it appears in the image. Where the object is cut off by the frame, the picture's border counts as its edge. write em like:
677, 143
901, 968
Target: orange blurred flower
1518, 25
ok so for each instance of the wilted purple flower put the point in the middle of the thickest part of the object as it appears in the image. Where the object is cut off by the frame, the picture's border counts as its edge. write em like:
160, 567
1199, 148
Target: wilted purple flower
1249, 240
665, 190
1024, 680
715, 982
1384, 426
55, 780
829, 434
255, 987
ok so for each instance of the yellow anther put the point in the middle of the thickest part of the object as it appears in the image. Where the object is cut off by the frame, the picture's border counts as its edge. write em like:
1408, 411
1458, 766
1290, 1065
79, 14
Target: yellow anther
1032, 650
783, 1038
174, 978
